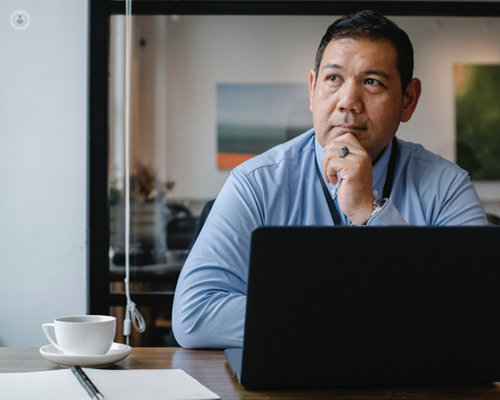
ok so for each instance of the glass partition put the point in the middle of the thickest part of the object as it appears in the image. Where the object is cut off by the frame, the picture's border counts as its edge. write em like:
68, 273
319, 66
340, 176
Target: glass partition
183, 67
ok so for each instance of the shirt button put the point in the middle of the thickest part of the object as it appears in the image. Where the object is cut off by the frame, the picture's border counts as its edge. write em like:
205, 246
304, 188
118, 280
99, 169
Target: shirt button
334, 192
375, 192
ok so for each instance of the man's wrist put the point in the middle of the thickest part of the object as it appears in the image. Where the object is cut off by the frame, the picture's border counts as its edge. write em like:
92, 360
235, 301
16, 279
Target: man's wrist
364, 214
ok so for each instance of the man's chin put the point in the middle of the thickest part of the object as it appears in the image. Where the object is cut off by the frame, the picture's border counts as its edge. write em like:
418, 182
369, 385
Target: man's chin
335, 133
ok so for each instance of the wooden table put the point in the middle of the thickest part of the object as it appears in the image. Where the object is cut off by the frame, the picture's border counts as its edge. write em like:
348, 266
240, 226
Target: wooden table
211, 369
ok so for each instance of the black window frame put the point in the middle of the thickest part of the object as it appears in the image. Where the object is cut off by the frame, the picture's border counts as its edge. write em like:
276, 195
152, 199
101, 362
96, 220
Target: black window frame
99, 298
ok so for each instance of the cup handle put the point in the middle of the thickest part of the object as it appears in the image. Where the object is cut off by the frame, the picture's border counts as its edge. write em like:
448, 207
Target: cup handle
45, 328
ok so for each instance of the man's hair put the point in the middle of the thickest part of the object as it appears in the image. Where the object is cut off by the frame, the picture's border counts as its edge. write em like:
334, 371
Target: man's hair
374, 26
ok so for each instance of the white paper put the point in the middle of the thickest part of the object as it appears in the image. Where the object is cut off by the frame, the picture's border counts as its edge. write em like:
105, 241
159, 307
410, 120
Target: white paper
135, 384
45, 385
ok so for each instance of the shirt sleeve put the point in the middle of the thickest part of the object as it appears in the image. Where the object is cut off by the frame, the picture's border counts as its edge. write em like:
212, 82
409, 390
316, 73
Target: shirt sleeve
461, 205
443, 201
210, 297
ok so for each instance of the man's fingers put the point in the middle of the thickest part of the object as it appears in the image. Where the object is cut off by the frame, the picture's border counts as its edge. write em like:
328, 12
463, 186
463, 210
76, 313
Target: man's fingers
333, 149
346, 140
355, 170
333, 163
347, 167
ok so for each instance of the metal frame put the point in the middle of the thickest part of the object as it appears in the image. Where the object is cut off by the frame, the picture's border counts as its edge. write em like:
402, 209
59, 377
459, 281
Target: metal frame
99, 297
297, 7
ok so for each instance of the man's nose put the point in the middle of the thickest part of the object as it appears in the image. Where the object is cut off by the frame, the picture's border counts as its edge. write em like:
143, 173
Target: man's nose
350, 98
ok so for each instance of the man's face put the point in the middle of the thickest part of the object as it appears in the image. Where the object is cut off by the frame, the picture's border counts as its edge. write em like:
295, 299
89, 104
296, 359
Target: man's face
358, 90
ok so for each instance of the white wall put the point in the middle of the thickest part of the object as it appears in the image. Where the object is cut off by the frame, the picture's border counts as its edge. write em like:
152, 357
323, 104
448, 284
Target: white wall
43, 134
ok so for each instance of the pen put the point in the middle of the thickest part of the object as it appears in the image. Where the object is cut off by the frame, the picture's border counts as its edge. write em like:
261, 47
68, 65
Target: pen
87, 384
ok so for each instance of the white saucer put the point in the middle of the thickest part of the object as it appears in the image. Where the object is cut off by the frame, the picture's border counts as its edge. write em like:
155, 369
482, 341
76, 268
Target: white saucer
116, 353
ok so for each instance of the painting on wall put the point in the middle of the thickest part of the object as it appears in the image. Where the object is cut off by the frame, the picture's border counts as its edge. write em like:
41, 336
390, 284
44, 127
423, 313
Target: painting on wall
253, 117
477, 107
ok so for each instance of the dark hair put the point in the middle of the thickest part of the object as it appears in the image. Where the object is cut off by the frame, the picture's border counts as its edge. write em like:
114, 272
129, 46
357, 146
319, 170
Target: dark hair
374, 26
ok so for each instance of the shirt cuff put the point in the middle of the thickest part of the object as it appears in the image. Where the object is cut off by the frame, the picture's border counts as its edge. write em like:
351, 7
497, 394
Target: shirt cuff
387, 216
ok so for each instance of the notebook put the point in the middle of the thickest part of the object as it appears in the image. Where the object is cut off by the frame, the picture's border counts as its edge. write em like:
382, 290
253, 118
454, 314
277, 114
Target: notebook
139, 384
370, 306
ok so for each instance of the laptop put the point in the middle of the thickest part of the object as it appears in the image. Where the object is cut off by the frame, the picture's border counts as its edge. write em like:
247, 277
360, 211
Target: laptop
370, 306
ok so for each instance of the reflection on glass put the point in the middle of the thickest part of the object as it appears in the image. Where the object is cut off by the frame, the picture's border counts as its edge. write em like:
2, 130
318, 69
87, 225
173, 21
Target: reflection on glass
161, 226
158, 327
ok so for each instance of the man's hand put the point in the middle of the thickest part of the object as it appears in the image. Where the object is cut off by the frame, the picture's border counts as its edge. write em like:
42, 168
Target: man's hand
354, 192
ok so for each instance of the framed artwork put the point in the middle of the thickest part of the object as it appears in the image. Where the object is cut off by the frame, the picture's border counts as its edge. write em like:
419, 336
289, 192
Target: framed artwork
253, 117
477, 106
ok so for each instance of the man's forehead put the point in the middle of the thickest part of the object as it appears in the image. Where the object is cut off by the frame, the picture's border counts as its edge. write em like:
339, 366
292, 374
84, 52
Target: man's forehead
339, 52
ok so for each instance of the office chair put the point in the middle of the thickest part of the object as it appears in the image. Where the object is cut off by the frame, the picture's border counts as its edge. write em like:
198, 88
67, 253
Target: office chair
180, 227
493, 219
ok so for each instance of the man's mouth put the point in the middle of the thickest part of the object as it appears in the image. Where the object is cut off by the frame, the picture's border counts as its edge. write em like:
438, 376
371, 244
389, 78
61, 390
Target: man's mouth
349, 128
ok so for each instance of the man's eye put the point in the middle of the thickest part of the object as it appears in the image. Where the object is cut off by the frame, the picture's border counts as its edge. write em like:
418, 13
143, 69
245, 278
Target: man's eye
373, 82
332, 78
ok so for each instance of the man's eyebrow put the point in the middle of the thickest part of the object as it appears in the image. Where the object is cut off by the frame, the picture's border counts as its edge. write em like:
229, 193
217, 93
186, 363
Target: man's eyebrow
337, 66
377, 72
368, 72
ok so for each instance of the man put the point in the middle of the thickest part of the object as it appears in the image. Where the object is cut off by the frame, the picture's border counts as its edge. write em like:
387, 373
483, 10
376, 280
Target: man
349, 170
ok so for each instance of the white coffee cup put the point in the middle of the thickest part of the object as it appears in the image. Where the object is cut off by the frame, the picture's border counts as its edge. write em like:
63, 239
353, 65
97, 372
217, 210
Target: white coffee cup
82, 334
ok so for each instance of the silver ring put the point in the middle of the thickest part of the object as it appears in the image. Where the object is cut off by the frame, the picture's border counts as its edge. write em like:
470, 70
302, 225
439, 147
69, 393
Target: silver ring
343, 152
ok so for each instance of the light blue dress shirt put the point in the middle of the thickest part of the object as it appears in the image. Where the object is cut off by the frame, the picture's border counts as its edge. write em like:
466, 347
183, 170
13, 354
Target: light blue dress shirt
281, 187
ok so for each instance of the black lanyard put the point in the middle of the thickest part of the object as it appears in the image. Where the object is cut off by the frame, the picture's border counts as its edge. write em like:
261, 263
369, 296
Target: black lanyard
391, 168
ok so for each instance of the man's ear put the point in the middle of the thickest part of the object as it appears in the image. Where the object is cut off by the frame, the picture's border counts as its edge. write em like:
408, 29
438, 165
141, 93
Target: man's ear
410, 99
312, 79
